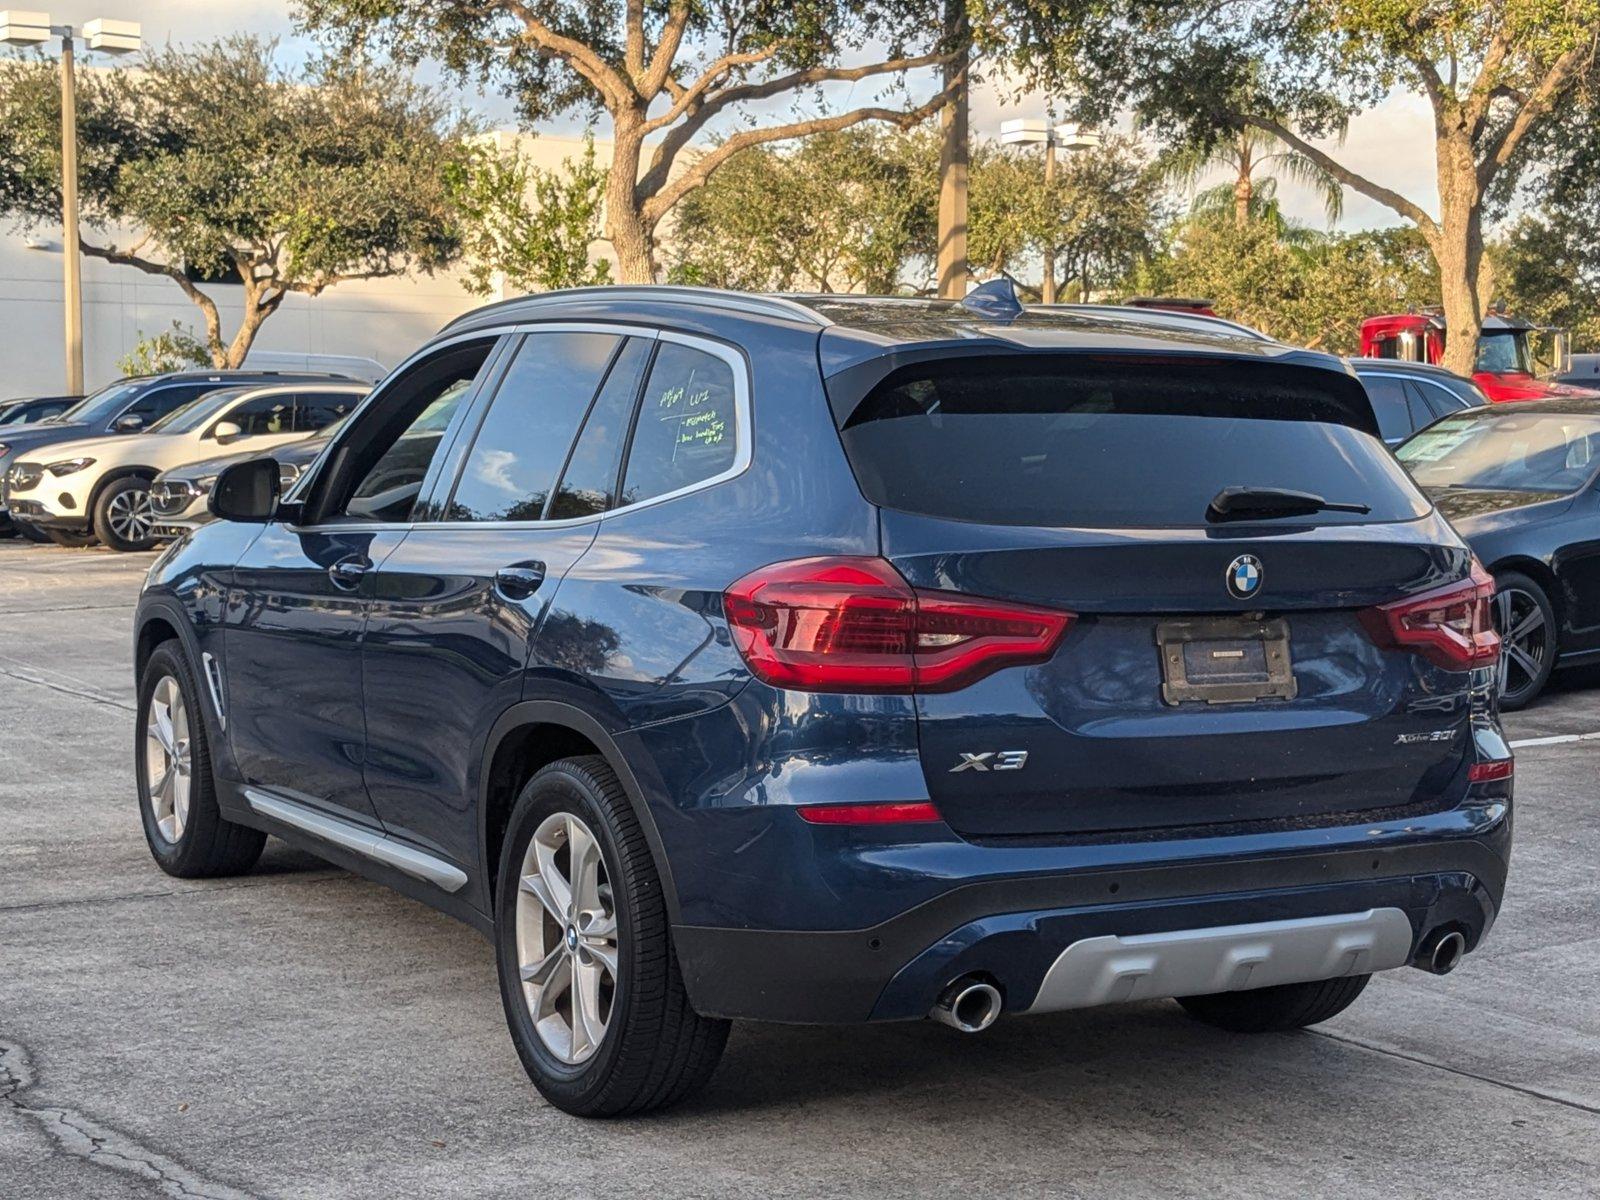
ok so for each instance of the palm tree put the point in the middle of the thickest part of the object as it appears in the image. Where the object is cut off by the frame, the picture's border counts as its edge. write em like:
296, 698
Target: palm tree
1254, 158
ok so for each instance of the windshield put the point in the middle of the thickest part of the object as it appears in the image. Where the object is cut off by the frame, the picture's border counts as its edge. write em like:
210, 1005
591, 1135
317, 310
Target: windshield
1524, 452
190, 416
1503, 353
104, 403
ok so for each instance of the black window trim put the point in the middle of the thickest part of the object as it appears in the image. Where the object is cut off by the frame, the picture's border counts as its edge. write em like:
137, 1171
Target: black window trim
508, 337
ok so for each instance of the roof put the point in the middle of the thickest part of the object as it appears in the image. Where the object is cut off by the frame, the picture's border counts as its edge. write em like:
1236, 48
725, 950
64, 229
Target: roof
856, 326
1404, 366
1565, 406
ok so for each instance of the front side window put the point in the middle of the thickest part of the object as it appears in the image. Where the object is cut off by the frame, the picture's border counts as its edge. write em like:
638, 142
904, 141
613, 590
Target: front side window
1388, 396
262, 416
519, 449
687, 427
158, 402
377, 471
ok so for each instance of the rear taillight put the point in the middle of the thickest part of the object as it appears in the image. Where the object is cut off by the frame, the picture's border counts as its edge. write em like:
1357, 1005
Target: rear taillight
855, 625
1450, 626
1491, 771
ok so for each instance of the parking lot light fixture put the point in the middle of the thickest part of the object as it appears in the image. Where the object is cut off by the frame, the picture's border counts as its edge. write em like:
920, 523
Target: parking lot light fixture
20, 27
1068, 136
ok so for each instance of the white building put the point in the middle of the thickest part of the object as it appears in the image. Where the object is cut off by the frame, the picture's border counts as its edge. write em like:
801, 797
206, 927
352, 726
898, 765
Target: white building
382, 319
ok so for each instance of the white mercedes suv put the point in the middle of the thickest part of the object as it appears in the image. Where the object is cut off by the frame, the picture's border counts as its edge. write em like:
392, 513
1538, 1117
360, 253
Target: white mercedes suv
100, 487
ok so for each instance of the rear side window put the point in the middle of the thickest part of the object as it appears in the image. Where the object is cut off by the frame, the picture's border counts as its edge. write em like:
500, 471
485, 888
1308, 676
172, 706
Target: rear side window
589, 484
687, 427
315, 411
1389, 405
269, 414
1053, 441
523, 441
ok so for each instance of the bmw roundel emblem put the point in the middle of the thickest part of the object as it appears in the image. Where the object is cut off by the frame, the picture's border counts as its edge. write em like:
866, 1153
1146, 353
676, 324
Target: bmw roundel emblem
1244, 576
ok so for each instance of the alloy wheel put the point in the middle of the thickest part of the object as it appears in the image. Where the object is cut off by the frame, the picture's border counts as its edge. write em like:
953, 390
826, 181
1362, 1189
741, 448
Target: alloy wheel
166, 758
131, 515
566, 929
1524, 641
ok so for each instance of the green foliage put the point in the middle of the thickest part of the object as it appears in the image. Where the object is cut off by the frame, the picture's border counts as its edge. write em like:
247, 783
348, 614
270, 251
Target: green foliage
1312, 292
169, 351
533, 226
833, 212
1547, 271
222, 162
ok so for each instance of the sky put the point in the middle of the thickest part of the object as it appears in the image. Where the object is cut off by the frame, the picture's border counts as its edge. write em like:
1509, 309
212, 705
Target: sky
1391, 144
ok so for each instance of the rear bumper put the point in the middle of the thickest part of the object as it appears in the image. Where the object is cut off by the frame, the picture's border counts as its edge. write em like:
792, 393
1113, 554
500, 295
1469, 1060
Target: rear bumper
1445, 869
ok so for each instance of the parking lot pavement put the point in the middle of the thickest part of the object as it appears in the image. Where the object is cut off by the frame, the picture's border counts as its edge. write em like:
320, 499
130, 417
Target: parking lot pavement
299, 1032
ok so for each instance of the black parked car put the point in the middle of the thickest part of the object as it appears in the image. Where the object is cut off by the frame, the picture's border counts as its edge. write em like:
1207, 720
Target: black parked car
1407, 396
725, 656
130, 406
39, 408
1518, 481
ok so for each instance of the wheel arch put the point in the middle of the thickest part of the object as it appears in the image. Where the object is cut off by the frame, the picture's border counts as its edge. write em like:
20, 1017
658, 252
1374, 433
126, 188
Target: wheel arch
131, 471
1541, 573
529, 735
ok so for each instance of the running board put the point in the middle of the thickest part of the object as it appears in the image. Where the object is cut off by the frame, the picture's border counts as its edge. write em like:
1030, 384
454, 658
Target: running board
369, 843
1224, 958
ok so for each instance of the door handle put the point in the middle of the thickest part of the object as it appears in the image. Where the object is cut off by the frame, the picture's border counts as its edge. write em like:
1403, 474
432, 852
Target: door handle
520, 581
348, 573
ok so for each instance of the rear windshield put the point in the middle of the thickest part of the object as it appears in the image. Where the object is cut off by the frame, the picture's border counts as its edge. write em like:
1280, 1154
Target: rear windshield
1031, 440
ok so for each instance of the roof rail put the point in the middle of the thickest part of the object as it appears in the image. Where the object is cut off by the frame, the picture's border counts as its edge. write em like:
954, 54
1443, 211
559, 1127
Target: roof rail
750, 303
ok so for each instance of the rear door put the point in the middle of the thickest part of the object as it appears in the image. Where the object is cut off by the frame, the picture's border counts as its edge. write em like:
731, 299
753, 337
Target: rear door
457, 606
1216, 673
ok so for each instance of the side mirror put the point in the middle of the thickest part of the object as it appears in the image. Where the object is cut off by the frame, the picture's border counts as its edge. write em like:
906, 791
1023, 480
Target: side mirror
226, 431
131, 423
246, 492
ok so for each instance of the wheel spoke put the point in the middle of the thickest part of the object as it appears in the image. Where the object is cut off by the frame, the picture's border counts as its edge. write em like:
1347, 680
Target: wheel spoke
536, 885
597, 923
539, 973
1529, 624
557, 985
1523, 660
585, 859
588, 1028
605, 955
161, 725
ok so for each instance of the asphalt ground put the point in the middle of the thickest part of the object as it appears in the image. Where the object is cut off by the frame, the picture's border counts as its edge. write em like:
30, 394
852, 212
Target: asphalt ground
300, 1032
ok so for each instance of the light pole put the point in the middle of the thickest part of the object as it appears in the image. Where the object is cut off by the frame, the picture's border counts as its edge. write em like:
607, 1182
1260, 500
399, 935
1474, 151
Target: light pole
20, 28
1031, 131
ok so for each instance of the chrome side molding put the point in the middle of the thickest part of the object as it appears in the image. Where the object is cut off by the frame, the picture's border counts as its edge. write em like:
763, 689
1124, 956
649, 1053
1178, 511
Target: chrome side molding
379, 847
1224, 958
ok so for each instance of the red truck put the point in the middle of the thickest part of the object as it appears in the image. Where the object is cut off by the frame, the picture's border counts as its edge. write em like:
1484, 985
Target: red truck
1505, 367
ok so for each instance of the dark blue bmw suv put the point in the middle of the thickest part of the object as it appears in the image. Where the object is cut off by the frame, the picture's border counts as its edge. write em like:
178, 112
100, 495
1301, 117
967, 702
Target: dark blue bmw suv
841, 659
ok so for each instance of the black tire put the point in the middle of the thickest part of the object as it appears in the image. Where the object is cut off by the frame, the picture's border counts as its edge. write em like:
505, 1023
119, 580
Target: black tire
1527, 660
1287, 1006
69, 539
123, 507
32, 532
208, 844
655, 1049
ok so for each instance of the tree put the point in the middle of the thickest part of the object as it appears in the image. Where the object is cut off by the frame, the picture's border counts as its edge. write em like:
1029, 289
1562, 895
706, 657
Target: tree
171, 350
1247, 155
668, 70
226, 169
835, 211
531, 226
1311, 291
1494, 72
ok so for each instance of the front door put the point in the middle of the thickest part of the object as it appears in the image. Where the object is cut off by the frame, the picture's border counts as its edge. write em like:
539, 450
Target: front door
457, 608
298, 606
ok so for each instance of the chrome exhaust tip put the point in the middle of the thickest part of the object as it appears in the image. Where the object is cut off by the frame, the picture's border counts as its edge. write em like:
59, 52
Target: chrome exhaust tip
969, 1005
1441, 953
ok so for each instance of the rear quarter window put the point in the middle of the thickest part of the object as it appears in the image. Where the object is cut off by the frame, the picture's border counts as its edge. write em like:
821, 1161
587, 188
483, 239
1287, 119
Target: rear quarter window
1053, 441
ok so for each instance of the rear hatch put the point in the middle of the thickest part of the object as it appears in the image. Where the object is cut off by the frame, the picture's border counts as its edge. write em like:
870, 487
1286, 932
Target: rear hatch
1221, 669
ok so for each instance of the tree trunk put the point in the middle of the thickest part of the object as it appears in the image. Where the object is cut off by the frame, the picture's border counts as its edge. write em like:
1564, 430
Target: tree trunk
1243, 190
1458, 249
630, 235
954, 270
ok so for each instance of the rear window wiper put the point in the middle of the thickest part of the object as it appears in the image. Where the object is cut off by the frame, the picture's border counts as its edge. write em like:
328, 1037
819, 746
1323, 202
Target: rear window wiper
1251, 503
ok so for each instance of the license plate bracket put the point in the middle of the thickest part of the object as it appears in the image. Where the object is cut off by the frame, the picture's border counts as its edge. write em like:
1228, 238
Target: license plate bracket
1225, 660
